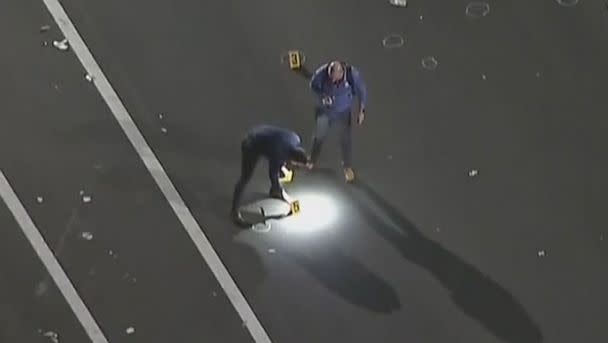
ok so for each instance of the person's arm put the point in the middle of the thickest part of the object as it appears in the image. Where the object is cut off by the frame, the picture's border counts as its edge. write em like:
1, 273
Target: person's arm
360, 88
317, 79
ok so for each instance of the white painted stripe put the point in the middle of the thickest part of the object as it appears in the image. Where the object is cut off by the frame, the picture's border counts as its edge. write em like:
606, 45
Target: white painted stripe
50, 262
158, 173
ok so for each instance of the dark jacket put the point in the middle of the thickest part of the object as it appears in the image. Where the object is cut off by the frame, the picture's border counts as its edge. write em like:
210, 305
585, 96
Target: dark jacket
276, 144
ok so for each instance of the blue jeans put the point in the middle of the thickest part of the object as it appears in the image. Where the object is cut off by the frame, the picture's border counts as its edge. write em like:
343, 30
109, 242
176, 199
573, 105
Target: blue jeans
324, 121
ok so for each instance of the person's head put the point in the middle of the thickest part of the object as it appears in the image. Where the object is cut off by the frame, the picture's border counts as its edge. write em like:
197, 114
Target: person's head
335, 70
298, 155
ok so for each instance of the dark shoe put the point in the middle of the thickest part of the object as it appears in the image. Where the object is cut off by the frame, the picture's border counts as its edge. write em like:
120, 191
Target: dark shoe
237, 218
278, 194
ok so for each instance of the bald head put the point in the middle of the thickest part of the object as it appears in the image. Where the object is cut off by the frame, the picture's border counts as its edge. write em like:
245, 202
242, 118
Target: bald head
336, 71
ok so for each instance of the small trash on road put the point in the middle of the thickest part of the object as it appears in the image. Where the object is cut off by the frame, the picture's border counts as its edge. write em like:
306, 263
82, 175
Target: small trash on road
130, 330
398, 3
87, 236
52, 336
61, 45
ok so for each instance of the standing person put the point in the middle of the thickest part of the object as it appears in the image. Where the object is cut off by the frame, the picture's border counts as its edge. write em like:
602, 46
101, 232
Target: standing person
335, 84
279, 146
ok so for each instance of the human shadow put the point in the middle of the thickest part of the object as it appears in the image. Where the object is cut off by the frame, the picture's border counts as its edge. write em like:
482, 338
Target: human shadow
478, 296
345, 277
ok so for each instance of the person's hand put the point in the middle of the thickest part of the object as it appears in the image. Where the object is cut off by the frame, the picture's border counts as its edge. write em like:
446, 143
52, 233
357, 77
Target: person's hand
360, 117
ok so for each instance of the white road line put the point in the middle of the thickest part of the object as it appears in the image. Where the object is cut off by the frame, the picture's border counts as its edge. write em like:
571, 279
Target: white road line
50, 262
158, 173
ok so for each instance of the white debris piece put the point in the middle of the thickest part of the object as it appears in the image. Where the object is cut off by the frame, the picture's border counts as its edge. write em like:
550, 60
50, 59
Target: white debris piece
473, 172
261, 227
52, 336
421, 18
81, 192
87, 235
86, 199
45, 28
89, 77
163, 130
398, 3
39, 200
61, 45
214, 294
130, 330
483, 76
160, 116
541, 253
110, 252
272, 251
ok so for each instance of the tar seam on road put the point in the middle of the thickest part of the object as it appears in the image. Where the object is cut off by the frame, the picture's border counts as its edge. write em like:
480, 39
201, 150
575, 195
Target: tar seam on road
158, 173
50, 262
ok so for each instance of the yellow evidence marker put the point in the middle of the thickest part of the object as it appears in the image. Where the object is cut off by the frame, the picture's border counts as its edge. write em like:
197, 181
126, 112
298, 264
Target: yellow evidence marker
287, 175
295, 59
295, 207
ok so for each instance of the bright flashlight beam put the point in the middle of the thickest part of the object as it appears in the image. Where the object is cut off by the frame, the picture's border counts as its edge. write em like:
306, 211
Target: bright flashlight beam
318, 211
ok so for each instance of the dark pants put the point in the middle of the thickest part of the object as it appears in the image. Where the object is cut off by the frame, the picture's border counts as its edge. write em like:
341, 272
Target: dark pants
324, 122
249, 160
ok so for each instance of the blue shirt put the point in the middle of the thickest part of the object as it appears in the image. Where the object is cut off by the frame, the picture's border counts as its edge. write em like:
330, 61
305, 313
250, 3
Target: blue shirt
341, 92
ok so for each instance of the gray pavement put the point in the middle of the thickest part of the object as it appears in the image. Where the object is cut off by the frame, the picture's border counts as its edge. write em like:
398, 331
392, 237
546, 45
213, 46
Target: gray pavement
418, 250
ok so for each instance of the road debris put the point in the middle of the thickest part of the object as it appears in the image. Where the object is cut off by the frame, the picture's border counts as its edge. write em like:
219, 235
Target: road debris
130, 330
61, 45
398, 3
52, 336
87, 236
473, 172
483, 77
163, 130
541, 253
39, 200
261, 227
86, 199
45, 28
89, 77
272, 251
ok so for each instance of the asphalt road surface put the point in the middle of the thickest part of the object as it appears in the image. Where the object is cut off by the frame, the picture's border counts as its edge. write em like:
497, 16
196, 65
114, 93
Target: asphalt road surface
478, 215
